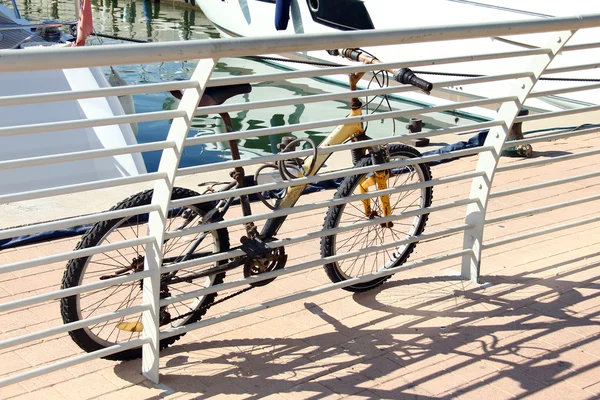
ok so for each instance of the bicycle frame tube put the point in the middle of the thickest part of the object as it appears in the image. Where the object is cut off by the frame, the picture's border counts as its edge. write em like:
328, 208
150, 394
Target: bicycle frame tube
339, 135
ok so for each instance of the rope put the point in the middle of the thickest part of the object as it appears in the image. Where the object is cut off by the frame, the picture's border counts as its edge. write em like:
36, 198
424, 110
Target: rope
103, 35
320, 64
563, 128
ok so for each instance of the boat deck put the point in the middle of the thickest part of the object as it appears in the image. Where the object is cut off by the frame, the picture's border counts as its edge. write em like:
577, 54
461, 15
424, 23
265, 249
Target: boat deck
13, 37
532, 330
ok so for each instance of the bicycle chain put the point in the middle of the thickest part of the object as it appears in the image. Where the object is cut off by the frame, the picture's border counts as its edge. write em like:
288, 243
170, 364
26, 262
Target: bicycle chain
207, 306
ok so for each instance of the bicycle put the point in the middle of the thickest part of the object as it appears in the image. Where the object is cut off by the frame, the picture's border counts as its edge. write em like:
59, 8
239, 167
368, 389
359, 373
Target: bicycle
258, 256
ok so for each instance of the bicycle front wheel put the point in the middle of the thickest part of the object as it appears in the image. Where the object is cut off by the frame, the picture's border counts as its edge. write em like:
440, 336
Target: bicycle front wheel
129, 260
376, 235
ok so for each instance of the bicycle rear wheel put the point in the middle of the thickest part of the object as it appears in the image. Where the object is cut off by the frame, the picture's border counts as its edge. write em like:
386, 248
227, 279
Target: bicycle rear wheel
351, 213
129, 260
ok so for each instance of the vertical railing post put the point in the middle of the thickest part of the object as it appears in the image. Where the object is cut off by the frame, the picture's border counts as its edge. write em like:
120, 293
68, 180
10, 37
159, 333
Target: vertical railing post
488, 161
157, 220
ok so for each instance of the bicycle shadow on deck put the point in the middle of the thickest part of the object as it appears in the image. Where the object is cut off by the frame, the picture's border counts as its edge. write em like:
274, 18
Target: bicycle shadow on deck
412, 358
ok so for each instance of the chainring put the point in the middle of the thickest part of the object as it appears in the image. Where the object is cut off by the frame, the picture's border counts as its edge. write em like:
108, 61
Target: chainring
276, 259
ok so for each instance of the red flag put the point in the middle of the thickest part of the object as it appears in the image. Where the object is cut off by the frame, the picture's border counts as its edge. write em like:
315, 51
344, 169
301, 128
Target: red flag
85, 25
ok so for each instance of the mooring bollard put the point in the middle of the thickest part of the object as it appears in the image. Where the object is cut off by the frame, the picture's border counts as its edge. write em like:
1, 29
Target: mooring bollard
416, 125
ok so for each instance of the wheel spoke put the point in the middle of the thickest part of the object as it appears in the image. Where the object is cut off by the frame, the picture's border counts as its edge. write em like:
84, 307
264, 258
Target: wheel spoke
112, 258
376, 234
115, 298
139, 318
102, 301
350, 238
118, 308
358, 238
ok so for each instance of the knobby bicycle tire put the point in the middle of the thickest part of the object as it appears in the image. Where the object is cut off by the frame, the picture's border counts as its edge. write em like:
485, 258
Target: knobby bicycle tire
335, 214
75, 271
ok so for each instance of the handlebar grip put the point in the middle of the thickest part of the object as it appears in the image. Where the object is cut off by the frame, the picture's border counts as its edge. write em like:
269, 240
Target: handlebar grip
407, 77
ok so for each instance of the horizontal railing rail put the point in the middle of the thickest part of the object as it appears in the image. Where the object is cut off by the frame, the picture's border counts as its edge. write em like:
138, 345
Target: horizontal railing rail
312, 235
308, 293
349, 146
201, 49
37, 262
318, 72
348, 120
89, 123
81, 187
84, 155
317, 205
328, 175
88, 94
75, 221
348, 95
151, 238
315, 263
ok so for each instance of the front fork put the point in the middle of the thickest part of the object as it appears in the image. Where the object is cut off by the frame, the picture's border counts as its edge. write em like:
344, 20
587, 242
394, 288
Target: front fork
380, 180
379, 155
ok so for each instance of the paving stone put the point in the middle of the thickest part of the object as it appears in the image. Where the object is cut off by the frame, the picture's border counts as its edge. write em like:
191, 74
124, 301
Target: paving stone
348, 381
47, 351
12, 391
530, 332
48, 380
310, 390
12, 363
85, 387
481, 390
46, 393
561, 391
134, 392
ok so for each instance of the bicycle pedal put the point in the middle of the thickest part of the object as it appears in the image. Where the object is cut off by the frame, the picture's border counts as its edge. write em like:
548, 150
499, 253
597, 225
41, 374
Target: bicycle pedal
254, 247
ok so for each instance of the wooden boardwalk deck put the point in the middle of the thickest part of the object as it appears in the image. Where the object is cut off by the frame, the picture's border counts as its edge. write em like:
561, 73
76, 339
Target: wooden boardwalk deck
532, 330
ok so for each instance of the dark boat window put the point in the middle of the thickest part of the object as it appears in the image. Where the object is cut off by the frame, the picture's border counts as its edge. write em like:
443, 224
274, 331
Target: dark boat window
345, 15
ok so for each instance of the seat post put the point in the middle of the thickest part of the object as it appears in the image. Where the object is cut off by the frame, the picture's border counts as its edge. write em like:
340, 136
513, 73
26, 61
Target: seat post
235, 151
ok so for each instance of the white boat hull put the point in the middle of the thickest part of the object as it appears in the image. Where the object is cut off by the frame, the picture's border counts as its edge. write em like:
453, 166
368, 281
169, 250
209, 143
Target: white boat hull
64, 141
251, 18
15, 147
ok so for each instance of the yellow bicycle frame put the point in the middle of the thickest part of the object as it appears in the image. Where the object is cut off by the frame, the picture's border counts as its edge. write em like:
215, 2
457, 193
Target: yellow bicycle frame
339, 135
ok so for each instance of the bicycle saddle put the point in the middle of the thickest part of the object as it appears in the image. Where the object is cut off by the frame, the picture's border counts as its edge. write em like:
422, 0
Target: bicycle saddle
219, 94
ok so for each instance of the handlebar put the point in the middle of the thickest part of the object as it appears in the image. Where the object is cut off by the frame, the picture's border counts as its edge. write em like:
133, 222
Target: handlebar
407, 77
402, 75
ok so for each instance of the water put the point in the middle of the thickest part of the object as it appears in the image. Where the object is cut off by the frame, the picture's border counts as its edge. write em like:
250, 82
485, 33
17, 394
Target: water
169, 21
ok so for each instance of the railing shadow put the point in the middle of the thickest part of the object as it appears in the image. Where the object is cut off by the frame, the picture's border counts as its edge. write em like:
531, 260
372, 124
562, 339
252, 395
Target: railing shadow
376, 363
550, 154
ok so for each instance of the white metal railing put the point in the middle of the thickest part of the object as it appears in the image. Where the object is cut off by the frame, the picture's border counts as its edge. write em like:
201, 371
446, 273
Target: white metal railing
518, 87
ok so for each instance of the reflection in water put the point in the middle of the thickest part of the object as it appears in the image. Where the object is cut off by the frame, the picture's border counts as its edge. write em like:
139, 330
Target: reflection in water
189, 20
245, 10
129, 13
152, 21
54, 11
150, 13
